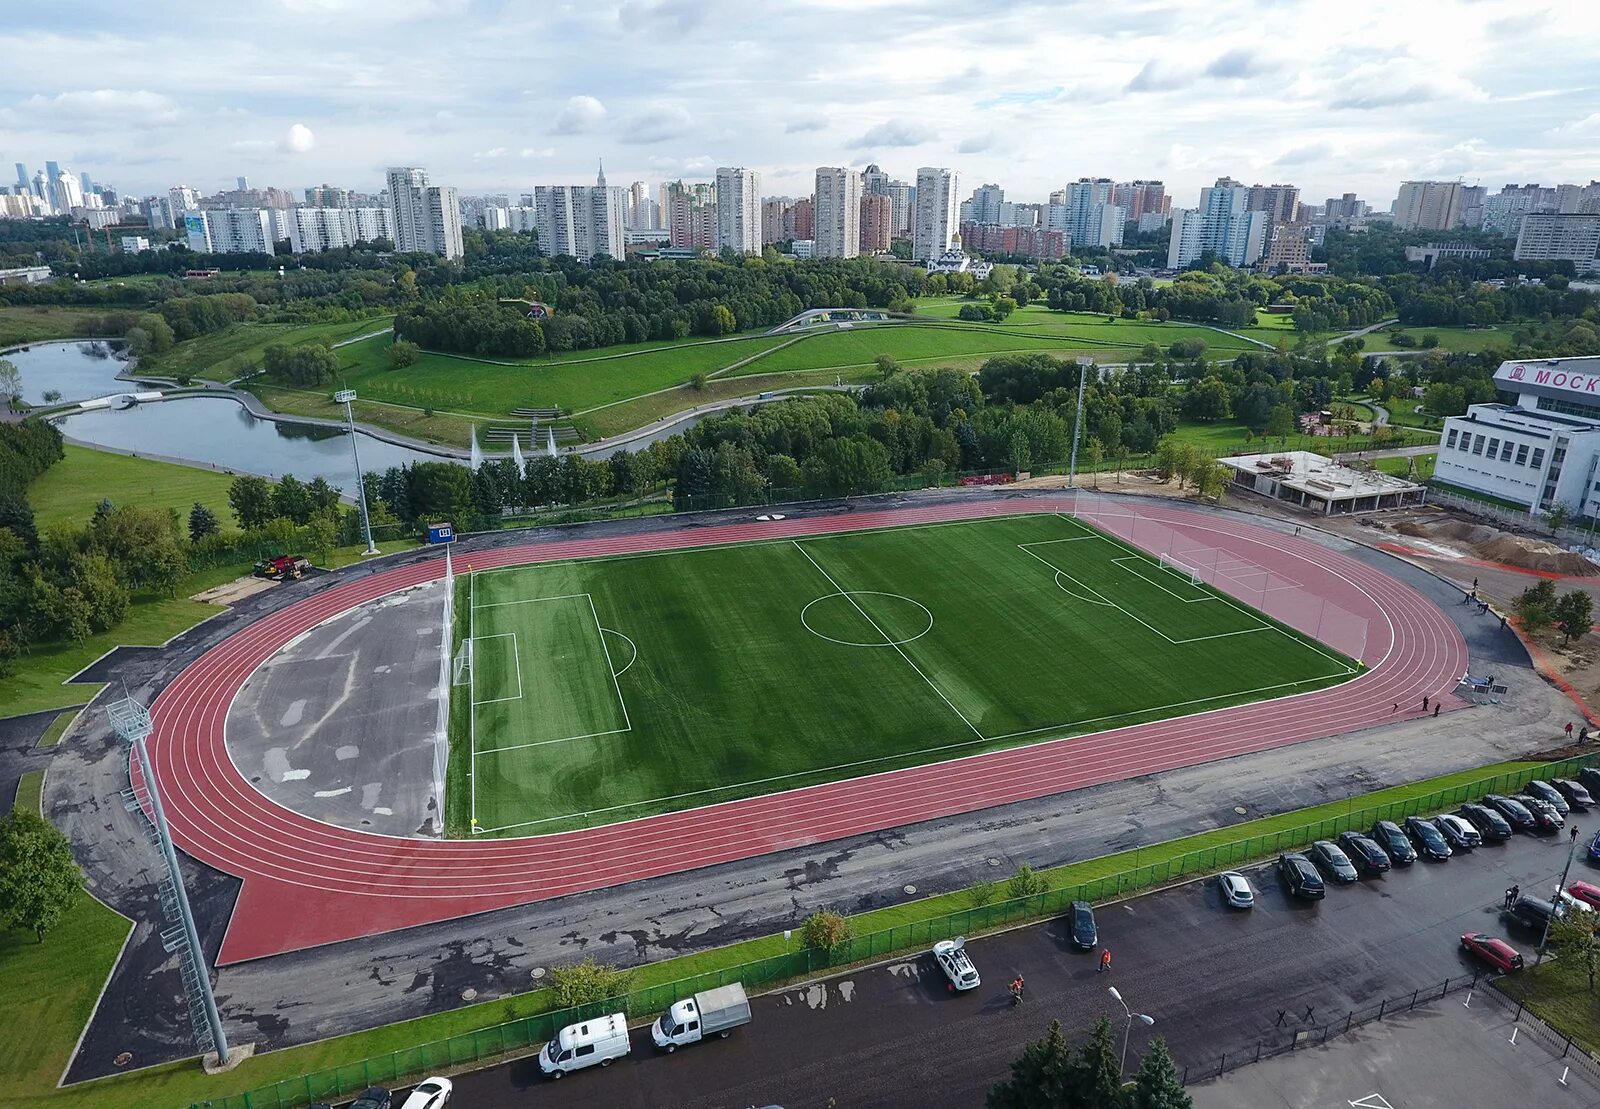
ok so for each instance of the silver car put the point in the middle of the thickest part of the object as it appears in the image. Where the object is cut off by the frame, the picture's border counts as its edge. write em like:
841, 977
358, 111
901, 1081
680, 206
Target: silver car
1236, 890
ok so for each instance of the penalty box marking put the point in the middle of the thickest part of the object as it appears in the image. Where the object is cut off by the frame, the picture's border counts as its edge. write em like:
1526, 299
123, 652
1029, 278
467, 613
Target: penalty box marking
516, 655
1169, 569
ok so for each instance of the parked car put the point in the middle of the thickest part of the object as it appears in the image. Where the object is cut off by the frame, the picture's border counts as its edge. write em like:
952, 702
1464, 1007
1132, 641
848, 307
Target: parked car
1332, 861
1590, 778
1366, 854
1236, 890
1513, 811
431, 1094
1534, 912
1493, 827
599, 1040
1572, 903
1429, 841
1545, 791
1084, 933
951, 955
1300, 876
1594, 848
1545, 818
1577, 796
373, 1097
1388, 836
1492, 950
1586, 892
1458, 831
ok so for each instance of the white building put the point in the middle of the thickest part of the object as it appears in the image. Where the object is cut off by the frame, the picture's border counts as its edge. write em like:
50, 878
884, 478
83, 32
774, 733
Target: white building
66, 191
1222, 224
582, 221
738, 210
837, 213
1089, 217
1539, 452
135, 244
313, 229
427, 218
1429, 205
935, 225
1553, 237
230, 231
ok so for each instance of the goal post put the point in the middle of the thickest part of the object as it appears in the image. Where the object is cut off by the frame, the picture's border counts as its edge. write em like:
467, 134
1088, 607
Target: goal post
463, 664
1182, 569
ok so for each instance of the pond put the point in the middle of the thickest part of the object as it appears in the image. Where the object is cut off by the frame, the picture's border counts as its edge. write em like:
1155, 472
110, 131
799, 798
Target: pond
77, 371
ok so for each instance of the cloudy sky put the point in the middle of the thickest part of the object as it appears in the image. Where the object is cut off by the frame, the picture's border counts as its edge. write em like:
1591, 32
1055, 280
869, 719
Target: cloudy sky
495, 94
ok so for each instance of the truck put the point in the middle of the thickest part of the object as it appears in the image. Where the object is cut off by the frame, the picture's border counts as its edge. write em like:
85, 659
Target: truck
709, 1012
283, 567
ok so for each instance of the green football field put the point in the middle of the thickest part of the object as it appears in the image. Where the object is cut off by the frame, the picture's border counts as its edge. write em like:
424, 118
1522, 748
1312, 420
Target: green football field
619, 687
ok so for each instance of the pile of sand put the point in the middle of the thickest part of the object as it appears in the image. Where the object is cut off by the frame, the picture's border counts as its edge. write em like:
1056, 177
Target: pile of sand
1535, 554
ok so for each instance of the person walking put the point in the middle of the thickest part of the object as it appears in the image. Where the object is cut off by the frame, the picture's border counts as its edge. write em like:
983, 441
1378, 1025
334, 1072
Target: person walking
1436, 708
1505, 899
1574, 831
1105, 960
1569, 729
1424, 702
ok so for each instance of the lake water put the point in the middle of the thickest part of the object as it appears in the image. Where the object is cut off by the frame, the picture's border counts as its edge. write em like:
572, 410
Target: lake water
78, 371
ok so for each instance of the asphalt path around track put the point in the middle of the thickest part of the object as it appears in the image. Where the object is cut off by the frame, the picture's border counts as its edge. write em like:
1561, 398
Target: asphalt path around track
1214, 978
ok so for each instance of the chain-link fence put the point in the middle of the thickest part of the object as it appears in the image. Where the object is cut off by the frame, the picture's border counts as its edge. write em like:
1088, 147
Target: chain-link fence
521, 1035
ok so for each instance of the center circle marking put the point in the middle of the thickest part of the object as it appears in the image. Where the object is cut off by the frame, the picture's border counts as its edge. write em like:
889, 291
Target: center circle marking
849, 593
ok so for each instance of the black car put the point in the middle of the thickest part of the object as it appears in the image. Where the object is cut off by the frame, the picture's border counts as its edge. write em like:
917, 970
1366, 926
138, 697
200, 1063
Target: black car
1300, 876
1458, 831
1429, 841
1366, 854
1515, 812
1545, 818
1577, 796
1590, 778
374, 1097
1493, 827
1389, 837
1332, 861
1534, 913
1546, 792
1084, 933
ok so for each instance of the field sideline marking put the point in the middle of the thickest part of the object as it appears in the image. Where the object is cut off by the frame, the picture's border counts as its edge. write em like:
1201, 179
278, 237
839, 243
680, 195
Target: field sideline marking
516, 653
918, 753
887, 639
533, 600
472, 707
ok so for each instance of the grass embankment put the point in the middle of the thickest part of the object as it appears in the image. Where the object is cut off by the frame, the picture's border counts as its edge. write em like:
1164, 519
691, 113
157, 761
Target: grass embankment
642, 411
223, 355
445, 428
1131, 335
1402, 466
69, 491
58, 728
39, 323
1462, 340
179, 1084
1557, 991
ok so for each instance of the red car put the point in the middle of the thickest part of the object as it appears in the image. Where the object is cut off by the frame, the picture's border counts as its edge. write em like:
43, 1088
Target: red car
1586, 892
1492, 950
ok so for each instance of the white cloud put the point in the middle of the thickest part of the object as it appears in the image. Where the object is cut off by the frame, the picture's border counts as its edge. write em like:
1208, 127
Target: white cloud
102, 107
582, 113
300, 140
657, 124
977, 144
895, 132
537, 152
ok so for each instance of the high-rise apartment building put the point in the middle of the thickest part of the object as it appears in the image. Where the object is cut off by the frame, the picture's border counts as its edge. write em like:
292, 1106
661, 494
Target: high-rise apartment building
640, 215
180, 199
230, 231
324, 228
690, 217
1280, 202
986, 202
1221, 224
1090, 218
427, 218
1428, 205
738, 208
877, 211
1135, 198
327, 196
772, 212
837, 231
903, 198
66, 192
874, 182
936, 223
800, 221
1346, 212
581, 220
1560, 236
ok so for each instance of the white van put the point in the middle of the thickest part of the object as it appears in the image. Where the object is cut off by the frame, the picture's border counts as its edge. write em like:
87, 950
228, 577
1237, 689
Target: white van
583, 1045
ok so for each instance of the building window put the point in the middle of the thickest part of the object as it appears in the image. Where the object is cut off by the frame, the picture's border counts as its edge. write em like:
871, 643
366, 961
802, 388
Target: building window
1505, 450
1522, 454
1477, 444
1494, 448
1450, 440
1538, 458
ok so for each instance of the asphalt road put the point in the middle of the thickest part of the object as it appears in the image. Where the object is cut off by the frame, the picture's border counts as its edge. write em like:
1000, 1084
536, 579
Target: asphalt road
1213, 978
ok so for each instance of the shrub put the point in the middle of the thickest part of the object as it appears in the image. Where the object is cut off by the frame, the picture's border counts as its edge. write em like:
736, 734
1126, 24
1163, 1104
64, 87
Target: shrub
825, 930
588, 981
981, 894
1026, 882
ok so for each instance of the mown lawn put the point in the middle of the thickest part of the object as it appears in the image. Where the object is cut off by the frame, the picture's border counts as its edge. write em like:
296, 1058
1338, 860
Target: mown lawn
442, 427
68, 492
1462, 340
223, 355
36, 323
1039, 320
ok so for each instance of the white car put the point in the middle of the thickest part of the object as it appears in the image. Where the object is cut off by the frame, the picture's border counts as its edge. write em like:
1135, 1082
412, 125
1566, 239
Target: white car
431, 1094
1574, 905
951, 955
1236, 890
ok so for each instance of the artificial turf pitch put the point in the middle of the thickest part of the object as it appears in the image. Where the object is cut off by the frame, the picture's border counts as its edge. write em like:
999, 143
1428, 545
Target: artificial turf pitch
619, 687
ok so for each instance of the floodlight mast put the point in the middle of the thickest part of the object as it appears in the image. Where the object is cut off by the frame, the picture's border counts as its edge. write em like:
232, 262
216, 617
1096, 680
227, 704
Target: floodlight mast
1084, 364
132, 723
344, 397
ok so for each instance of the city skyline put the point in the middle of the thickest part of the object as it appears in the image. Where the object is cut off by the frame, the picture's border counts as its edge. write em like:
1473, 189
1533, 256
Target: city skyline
1436, 90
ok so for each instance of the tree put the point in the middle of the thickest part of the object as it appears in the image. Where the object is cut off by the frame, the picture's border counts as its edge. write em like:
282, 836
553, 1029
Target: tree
1557, 517
202, 522
403, 353
586, 982
887, 367
1026, 882
1208, 399
1097, 1073
1042, 1077
250, 497
698, 381
1536, 605
292, 500
1574, 612
1211, 479
1157, 1085
825, 930
1280, 423
1573, 939
1097, 454
10, 382
39, 878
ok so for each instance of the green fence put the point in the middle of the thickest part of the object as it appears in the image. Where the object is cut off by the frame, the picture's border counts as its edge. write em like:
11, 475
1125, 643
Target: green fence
521, 1035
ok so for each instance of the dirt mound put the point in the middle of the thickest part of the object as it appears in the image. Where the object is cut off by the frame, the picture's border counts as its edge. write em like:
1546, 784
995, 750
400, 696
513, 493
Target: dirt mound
1463, 532
1535, 554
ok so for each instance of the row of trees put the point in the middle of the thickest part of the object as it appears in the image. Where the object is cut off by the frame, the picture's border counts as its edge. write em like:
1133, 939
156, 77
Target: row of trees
1049, 1074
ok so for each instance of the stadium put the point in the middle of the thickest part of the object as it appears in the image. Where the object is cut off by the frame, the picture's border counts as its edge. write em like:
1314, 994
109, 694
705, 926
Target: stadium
566, 711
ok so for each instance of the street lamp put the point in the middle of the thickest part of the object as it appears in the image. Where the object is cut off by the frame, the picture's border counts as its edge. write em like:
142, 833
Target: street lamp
1126, 1032
1556, 902
344, 397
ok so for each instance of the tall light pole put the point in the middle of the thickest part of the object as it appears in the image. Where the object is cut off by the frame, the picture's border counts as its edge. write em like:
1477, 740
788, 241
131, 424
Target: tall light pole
1077, 423
344, 397
1555, 902
1127, 1031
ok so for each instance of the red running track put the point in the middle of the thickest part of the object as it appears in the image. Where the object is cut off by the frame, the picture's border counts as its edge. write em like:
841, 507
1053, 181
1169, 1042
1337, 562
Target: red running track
308, 883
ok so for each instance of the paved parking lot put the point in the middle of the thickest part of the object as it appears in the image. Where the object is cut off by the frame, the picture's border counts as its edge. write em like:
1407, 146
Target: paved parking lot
1215, 980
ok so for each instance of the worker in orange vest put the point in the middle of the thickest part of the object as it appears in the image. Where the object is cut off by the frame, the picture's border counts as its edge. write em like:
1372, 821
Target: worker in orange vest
1105, 959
